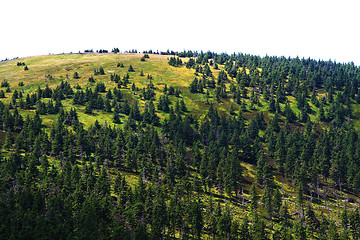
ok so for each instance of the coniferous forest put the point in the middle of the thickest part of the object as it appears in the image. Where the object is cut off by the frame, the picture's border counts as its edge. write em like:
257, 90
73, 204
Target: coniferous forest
179, 145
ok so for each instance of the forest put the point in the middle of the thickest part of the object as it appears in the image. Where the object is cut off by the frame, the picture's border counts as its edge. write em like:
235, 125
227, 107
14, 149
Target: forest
179, 145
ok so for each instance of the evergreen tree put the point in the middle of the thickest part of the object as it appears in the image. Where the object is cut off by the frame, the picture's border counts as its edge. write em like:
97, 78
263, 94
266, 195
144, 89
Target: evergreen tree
76, 75
253, 199
131, 69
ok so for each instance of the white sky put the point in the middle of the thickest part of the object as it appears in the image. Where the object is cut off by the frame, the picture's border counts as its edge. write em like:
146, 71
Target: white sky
305, 28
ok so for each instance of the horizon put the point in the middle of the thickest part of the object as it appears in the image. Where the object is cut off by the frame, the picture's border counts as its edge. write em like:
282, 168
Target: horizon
321, 30
164, 50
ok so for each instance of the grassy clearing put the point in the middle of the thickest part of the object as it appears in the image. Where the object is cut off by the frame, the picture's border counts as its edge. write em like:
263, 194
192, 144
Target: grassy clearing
62, 67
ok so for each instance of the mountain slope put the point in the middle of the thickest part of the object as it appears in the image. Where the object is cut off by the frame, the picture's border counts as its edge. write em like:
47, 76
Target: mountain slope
183, 146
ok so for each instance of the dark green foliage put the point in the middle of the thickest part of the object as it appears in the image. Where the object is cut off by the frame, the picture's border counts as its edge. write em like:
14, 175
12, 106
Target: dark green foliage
100, 87
91, 79
76, 75
191, 63
131, 69
134, 111
148, 93
196, 86
175, 62
115, 77
73, 181
99, 71
222, 78
88, 108
289, 114
5, 84
164, 103
115, 50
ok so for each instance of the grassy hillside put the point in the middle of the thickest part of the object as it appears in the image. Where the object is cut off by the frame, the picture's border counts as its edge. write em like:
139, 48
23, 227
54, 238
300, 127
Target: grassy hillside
52, 70
63, 67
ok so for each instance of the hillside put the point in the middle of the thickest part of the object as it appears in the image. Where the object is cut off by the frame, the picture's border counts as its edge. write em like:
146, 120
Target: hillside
178, 145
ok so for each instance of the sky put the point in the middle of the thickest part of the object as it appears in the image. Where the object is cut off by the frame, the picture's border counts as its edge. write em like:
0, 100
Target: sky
317, 29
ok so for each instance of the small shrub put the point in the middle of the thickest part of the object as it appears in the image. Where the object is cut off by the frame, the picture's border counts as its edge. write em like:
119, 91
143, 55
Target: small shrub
76, 75
5, 83
131, 69
91, 79
99, 71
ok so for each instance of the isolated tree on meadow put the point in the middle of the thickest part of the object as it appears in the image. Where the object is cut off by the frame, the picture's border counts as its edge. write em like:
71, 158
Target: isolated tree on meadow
131, 69
76, 75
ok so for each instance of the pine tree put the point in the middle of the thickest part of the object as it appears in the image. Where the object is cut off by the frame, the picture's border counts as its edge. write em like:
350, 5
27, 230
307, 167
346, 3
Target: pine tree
9, 140
253, 199
131, 69
76, 75
88, 108
299, 230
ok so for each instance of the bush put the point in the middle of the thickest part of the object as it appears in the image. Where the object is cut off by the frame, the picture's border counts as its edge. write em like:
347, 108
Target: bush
115, 50
99, 71
131, 69
76, 75
5, 83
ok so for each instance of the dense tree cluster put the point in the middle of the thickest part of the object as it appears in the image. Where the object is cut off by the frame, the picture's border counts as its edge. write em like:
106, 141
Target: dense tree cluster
175, 62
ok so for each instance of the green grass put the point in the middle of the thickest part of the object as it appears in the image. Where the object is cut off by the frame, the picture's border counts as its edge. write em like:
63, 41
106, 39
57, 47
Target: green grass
63, 66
